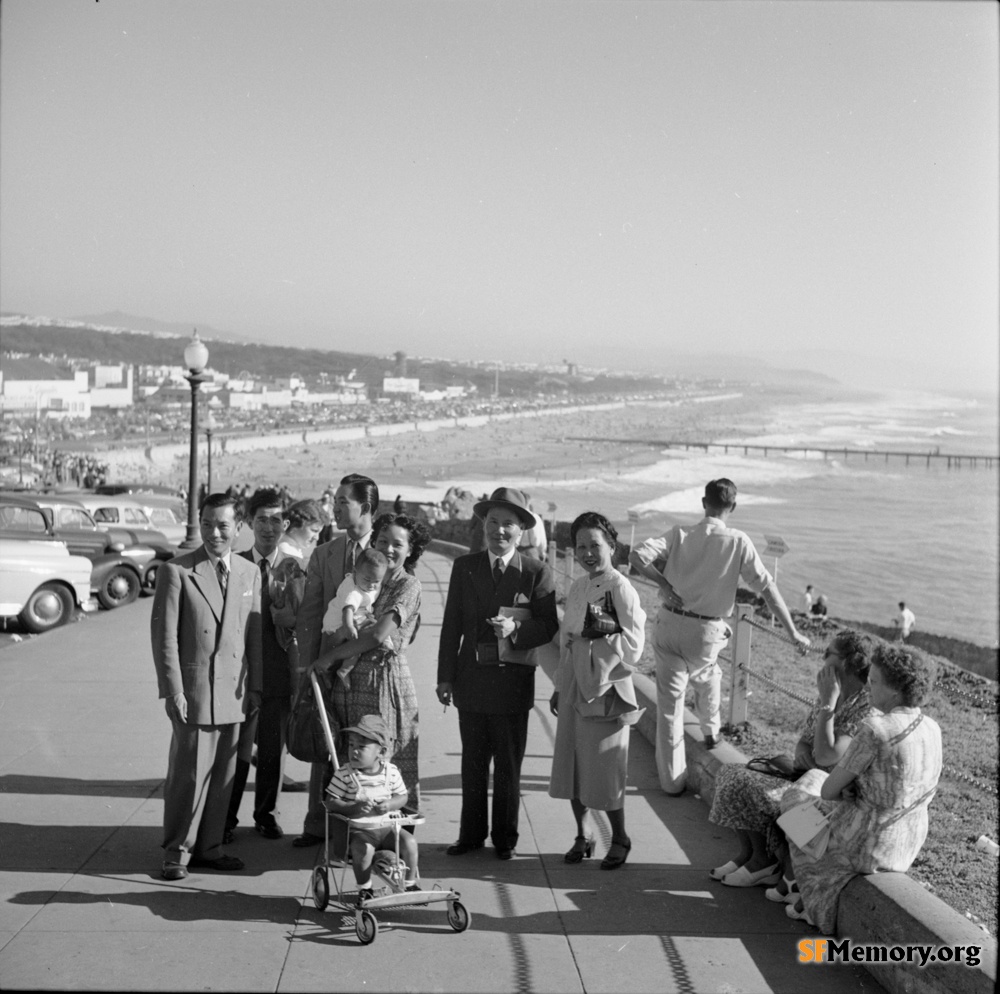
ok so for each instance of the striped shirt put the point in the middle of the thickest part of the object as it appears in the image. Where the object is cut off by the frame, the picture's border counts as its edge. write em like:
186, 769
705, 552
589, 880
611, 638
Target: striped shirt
349, 785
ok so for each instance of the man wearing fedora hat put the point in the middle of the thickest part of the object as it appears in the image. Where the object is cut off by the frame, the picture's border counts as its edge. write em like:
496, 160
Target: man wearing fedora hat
500, 604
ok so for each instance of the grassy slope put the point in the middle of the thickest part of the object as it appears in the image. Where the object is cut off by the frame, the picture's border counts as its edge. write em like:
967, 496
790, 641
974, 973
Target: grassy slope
949, 865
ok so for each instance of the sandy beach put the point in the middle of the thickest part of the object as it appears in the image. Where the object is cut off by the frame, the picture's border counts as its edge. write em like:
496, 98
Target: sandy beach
422, 465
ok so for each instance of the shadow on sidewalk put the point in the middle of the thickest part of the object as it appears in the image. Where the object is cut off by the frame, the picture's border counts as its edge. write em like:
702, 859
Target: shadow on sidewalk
18, 783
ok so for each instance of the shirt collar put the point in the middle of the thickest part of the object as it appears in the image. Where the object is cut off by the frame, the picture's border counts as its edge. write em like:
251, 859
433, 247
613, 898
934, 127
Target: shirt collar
504, 560
271, 559
214, 560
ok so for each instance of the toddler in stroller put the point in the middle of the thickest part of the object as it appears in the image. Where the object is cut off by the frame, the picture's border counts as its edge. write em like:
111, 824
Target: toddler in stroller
365, 789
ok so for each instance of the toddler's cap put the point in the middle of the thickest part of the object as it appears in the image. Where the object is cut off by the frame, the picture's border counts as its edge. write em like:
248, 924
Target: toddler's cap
373, 727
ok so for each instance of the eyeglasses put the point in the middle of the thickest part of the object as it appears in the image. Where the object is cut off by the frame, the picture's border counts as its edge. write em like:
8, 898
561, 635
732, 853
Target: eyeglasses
830, 651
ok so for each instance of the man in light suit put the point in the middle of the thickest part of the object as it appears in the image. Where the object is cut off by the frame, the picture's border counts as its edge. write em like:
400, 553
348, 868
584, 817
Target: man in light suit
494, 697
355, 505
206, 648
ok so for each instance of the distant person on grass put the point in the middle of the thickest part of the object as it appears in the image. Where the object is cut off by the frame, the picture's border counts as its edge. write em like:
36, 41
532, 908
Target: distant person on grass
701, 568
904, 622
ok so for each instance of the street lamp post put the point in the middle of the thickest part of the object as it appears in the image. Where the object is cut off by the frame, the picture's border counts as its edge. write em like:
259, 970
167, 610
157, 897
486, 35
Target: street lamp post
195, 359
210, 426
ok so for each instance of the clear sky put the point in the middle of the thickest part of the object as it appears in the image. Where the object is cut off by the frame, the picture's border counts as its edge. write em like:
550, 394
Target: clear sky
607, 182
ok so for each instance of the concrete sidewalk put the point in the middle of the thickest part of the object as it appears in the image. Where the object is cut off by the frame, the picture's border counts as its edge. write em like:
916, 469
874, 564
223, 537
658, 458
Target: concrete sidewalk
84, 742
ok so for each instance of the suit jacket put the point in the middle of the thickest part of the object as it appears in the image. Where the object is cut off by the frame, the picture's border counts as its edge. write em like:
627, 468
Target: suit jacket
327, 569
277, 675
490, 688
207, 649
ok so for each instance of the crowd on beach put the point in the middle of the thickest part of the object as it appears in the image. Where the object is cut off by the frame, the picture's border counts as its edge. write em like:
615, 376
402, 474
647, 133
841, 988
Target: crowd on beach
329, 591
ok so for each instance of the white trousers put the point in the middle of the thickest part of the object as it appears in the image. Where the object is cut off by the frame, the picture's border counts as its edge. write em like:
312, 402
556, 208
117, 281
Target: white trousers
686, 650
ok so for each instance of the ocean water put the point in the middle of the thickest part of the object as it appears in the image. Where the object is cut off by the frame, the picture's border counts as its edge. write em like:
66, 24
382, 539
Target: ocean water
867, 534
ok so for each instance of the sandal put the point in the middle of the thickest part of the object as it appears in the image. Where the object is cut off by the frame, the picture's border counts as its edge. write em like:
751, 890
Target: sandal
617, 854
583, 848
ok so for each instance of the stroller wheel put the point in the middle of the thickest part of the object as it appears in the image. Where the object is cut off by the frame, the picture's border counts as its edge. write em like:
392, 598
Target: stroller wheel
321, 887
458, 917
366, 926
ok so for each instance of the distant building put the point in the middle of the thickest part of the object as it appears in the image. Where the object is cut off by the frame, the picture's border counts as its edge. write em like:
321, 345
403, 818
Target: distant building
111, 386
33, 387
400, 385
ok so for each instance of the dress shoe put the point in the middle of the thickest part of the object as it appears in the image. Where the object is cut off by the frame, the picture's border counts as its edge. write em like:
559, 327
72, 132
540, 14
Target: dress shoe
272, 831
711, 741
744, 878
225, 864
508, 853
173, 871
616, 856
306, 839
723, 871
583, 848
460, 848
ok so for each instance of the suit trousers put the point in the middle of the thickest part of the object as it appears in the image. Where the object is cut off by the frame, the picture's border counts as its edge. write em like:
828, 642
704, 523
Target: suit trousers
196, 793
686, 650
502, 739
267, 727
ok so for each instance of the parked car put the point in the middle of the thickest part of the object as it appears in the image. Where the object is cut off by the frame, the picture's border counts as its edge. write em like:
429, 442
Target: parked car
136, 488
135, 512
126, 520
117, 574
41, 584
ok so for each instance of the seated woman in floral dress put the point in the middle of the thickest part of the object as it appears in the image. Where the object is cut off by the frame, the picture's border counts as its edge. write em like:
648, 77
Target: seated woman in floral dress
878, 794
749, 801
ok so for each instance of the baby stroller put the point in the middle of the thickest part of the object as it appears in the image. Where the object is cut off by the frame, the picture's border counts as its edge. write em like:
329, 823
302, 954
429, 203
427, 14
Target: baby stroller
386, 865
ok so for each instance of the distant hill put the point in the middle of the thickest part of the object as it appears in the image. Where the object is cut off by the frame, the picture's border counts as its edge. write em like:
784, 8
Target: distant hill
155, 345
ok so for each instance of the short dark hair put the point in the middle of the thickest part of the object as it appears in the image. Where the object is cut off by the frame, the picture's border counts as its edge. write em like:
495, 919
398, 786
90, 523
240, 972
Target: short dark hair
908, 671
221, 500
856, 649
593, 519
264, 497
304, 512
720, 493
363, 489
419, 535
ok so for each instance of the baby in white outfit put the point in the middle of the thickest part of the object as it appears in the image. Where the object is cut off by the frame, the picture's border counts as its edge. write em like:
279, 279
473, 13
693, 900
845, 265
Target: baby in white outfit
350, 611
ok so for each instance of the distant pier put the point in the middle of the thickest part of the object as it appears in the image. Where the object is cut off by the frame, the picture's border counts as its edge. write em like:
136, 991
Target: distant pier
951, 459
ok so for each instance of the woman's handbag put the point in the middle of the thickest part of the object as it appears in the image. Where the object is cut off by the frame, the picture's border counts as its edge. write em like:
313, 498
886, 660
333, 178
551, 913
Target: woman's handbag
807, 826
305, 737
610, 706
782, 766
601, 619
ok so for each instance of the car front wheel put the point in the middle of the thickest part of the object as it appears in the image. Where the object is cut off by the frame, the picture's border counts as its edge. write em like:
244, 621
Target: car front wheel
120, 587
48, 607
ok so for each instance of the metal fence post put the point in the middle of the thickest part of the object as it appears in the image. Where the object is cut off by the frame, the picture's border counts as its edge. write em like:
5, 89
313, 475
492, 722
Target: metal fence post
552, 557
739, 680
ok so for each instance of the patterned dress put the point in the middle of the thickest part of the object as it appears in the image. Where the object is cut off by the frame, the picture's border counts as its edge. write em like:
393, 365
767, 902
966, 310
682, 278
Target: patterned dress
590, 757
750, 801
882, 823
381, 682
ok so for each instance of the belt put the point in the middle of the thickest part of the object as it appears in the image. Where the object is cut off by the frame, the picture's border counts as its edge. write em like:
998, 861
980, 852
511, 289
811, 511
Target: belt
689, 614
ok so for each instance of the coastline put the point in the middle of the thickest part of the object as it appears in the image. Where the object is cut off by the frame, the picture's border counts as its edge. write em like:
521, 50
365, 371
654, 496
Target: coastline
532, 450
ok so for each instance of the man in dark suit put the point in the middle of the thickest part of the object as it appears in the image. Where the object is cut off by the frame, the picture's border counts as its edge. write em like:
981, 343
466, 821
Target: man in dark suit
266, 726
494, 696
355, 505
205, 633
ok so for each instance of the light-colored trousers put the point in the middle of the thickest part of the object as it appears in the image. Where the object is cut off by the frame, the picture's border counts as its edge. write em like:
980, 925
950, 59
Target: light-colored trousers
686, 650
197, 789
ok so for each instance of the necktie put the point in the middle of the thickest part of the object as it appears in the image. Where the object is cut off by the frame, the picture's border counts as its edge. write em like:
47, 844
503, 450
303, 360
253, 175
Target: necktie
497, 572
223, 574
352, 555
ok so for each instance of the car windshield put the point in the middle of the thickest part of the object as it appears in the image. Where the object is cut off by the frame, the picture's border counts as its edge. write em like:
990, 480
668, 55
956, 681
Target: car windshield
75, 517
